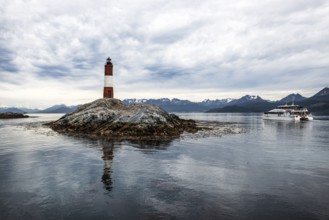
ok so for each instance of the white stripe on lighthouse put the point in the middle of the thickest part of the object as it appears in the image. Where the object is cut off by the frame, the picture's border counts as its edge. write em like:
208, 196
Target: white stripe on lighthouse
108, 81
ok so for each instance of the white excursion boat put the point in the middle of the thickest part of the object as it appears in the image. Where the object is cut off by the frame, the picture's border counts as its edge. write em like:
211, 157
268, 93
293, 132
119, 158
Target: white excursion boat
289, 113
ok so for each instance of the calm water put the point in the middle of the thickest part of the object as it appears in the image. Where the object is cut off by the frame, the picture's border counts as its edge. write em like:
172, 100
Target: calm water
277, 170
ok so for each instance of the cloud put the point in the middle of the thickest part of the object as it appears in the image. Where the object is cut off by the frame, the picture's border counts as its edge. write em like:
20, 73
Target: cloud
6, 61
55, 51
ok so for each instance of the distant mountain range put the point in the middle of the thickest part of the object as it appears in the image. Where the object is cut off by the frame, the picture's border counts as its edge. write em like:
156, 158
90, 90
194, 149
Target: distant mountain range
59, 109
54, 109
317, 104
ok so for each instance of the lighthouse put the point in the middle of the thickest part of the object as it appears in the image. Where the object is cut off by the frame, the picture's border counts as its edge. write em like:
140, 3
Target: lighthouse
108, 80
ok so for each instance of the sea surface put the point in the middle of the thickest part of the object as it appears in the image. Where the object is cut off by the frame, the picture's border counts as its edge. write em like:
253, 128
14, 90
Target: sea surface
275, 170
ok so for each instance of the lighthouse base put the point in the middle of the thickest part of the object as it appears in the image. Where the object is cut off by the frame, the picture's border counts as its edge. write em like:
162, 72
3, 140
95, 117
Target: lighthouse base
108, 92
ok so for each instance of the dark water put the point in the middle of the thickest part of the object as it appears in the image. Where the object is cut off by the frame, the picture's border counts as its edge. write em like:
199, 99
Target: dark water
277, 170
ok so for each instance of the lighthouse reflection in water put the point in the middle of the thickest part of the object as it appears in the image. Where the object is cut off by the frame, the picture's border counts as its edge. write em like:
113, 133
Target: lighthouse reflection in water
108, 148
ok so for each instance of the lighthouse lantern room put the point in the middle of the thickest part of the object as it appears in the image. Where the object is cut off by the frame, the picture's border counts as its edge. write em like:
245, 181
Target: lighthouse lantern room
108, 80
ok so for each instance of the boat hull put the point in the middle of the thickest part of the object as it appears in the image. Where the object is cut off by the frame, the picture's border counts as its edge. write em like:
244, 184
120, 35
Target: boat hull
281, 117
308, 118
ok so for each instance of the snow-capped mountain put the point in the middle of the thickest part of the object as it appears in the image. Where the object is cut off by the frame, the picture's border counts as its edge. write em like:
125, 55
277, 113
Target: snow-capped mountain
18, 110
11, 109
171, 105
321, 96
294, 97
323, 92
216, 102
175, 101
247, 99
162, 101
59, 109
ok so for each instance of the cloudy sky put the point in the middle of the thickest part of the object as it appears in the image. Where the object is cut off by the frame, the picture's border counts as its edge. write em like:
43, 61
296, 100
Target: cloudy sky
54, 52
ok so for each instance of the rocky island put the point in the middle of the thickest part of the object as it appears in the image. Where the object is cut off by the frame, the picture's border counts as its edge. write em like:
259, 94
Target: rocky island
11, 115
110, 118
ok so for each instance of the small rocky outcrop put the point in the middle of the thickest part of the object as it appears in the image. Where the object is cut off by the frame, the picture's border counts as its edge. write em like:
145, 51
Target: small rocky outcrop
110, 118
9, 115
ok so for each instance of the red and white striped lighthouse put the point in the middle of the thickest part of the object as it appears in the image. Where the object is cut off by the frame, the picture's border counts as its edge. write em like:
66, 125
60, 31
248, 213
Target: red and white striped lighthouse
108, 80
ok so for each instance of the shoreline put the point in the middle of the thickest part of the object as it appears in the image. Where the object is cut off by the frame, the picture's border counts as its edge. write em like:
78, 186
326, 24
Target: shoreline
205, 129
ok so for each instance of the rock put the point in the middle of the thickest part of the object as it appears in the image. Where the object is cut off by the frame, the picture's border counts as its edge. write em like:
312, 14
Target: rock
110, 118
9, 115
